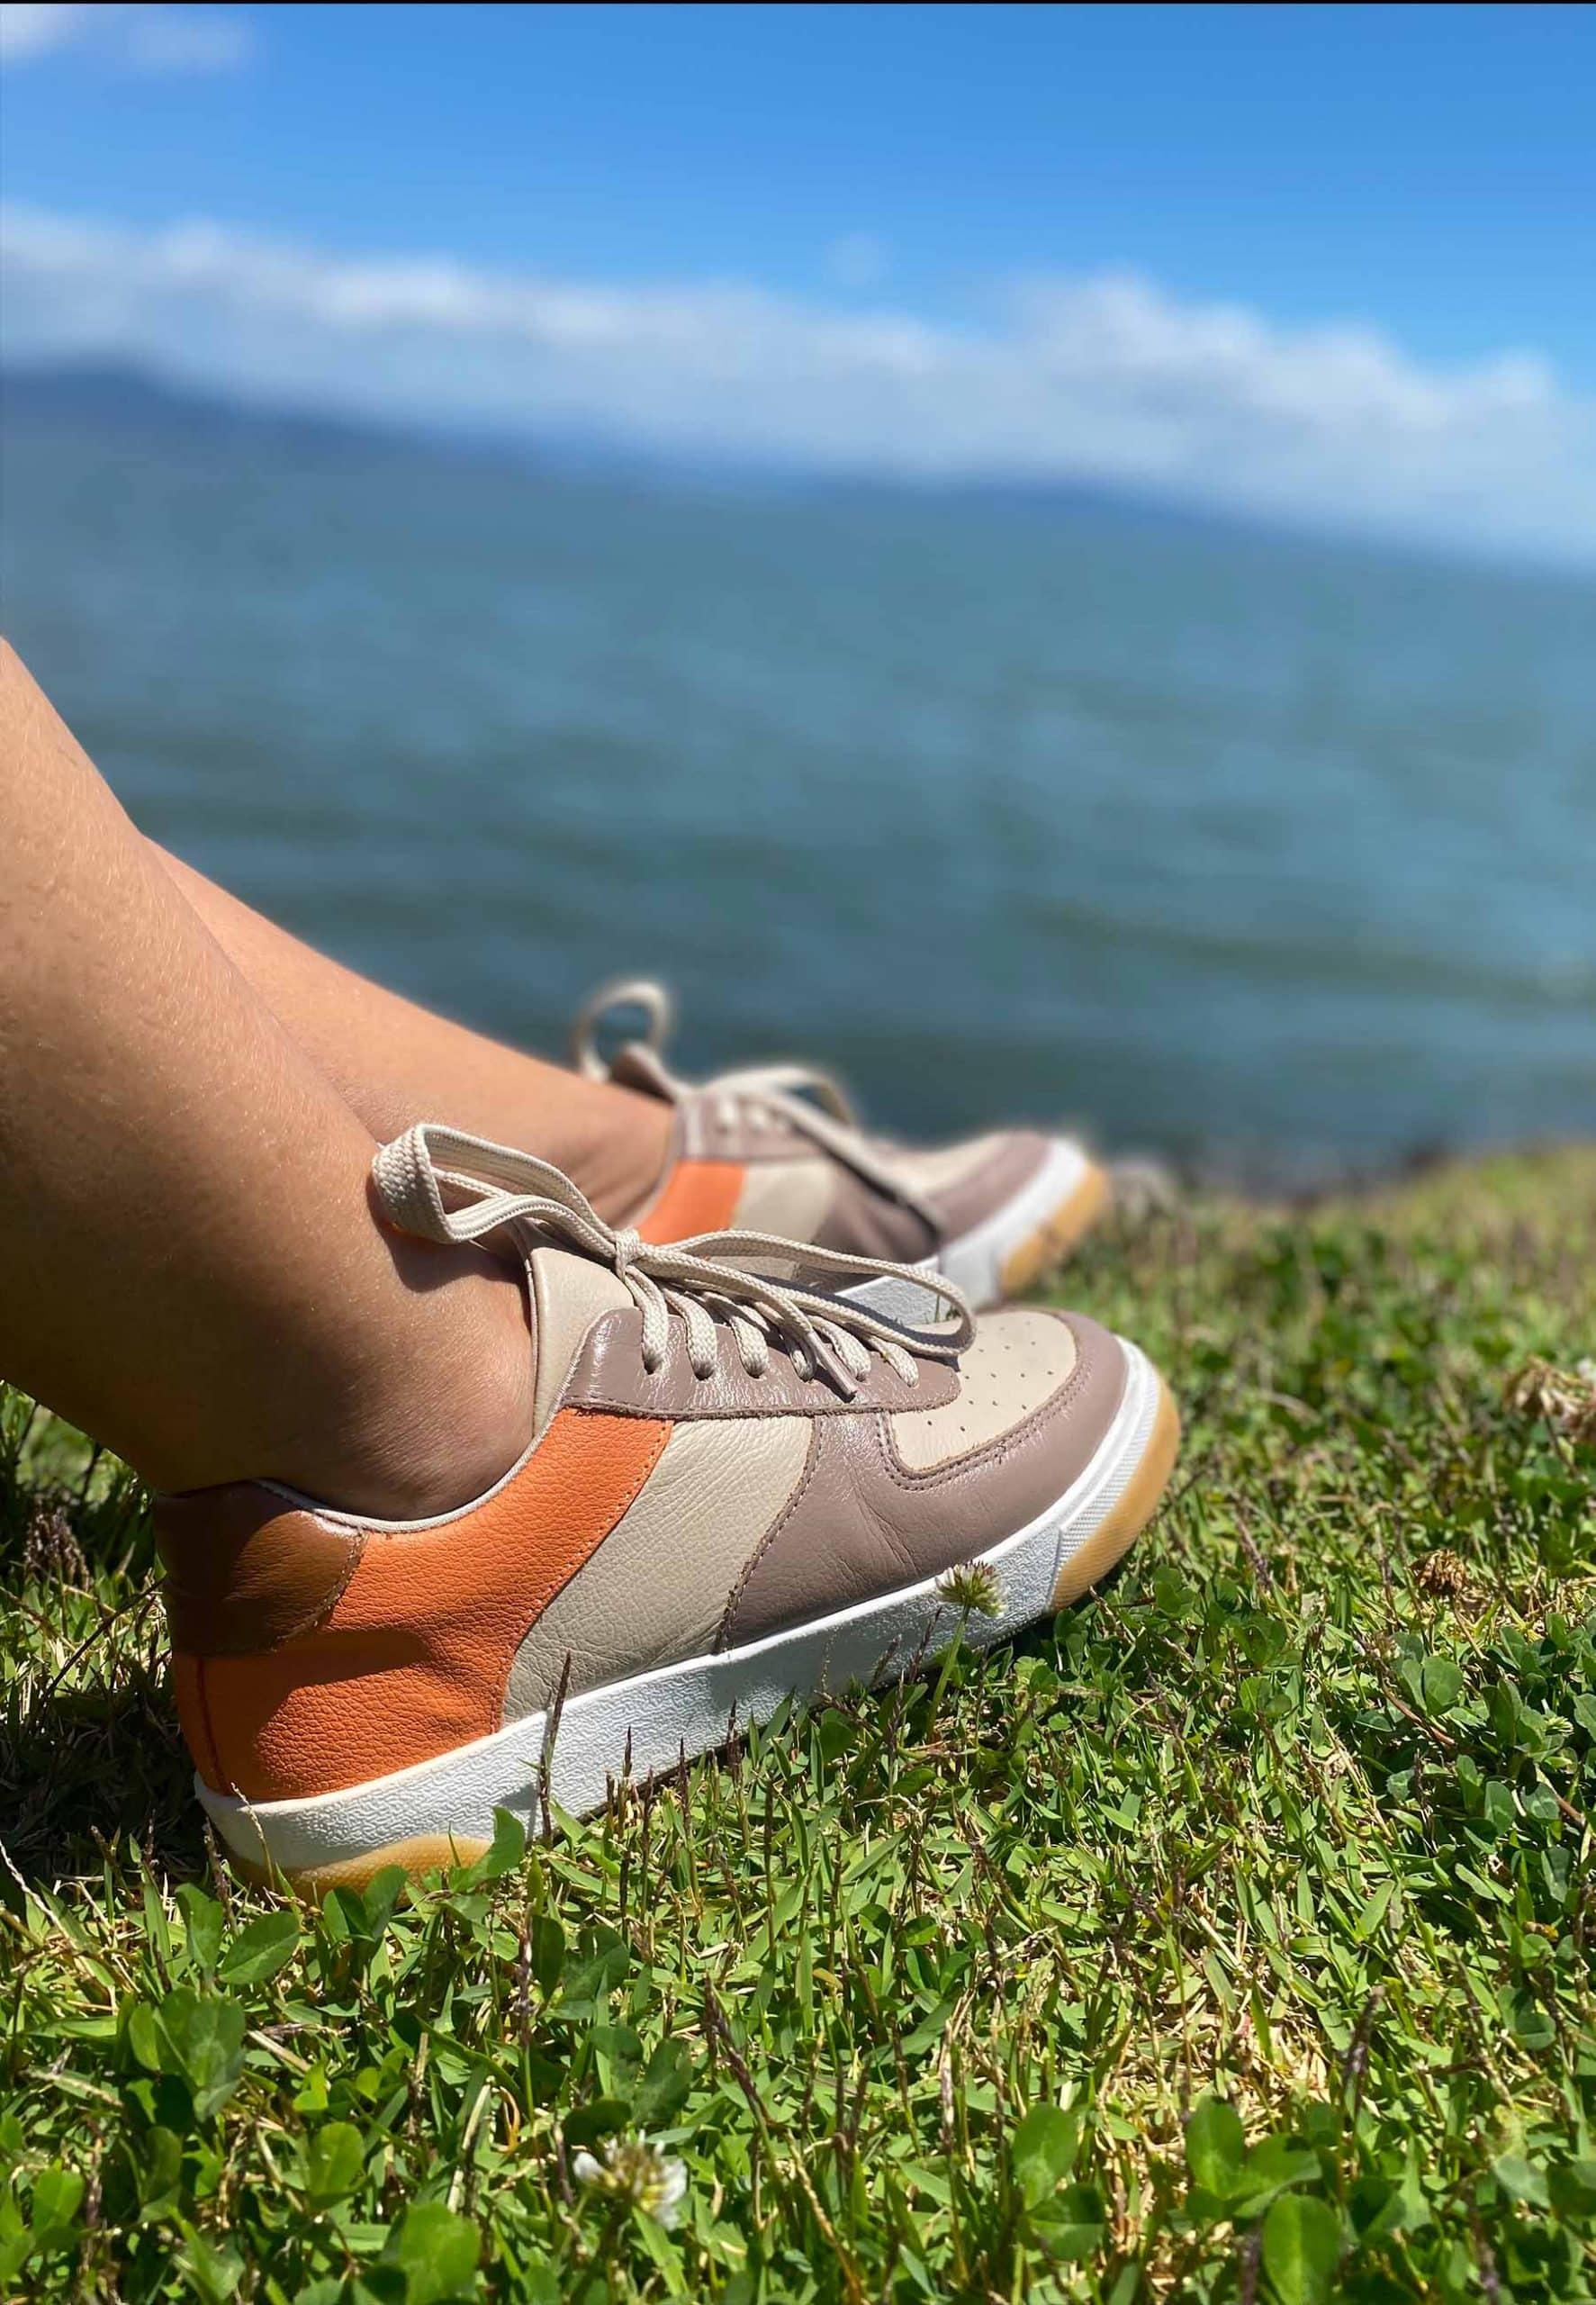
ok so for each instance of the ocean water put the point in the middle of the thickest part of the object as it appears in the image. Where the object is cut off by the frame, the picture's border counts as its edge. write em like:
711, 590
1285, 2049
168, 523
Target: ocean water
1247, 850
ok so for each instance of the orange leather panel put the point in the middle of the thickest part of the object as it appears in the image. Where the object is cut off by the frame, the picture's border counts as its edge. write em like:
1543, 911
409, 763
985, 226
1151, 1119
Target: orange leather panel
244, 1570
189, 1686
414, 1657
699, 1197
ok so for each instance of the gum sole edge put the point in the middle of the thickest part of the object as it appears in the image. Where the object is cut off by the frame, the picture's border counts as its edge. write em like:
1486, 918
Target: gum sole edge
1113, 1538
1030, 1260
424, 1853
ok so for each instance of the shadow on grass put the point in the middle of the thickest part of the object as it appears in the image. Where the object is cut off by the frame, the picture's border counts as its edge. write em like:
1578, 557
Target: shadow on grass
85, 1769
91, 1758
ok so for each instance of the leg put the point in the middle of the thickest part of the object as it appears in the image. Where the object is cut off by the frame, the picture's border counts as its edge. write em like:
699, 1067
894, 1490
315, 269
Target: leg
189, 1265
396, 1063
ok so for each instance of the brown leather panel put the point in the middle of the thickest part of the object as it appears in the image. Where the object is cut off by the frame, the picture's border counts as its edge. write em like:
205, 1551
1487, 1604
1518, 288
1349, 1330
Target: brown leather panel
866, 1224
607, 1374
983, 1190
415, 1656
245, 1570
860, 1525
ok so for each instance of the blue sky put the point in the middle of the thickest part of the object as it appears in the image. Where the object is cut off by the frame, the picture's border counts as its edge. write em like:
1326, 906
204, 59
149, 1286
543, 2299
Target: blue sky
1320, 261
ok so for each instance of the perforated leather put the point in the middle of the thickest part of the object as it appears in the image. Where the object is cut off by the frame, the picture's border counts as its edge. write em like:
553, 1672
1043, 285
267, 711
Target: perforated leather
1018, 1360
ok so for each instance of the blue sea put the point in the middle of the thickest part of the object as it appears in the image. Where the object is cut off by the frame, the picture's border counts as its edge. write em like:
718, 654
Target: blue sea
1267, 854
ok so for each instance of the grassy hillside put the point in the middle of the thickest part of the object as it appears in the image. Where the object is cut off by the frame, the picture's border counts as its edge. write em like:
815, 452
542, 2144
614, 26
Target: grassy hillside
1231, 1938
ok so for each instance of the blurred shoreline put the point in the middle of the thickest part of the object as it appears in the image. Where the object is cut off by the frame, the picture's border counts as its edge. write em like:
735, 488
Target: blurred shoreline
1145, 1183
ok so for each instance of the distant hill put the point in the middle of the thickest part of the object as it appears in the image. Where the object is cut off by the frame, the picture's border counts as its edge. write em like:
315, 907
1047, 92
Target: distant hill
115, 398
112, 397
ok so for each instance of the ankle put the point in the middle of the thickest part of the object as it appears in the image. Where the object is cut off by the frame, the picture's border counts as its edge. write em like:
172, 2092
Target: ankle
620, 1156
443, 1414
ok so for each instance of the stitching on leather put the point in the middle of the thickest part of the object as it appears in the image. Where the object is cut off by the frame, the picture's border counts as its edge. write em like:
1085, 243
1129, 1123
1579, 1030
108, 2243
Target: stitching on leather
311, 1621
552, 1592
202, 1688
723, 1638
714, 1490
690, 1414
317, 1617
896, 1544
996, 1452
580, 1391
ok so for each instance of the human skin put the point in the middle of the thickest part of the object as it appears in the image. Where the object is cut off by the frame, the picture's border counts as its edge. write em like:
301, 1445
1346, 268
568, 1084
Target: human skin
394, 1062
191, 1268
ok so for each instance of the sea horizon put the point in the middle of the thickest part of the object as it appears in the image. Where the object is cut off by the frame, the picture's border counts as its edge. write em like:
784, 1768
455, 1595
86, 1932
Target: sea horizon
1253, 849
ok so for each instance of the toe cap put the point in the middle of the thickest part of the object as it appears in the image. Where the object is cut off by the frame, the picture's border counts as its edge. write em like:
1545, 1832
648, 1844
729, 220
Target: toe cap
888, 1500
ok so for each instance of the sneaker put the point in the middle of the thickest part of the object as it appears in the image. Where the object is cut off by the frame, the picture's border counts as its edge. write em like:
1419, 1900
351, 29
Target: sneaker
778, 1148
737, 1489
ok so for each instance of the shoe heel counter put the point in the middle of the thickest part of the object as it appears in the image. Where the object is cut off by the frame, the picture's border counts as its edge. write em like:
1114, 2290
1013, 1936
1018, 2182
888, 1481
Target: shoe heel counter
313, 1655
248, 1576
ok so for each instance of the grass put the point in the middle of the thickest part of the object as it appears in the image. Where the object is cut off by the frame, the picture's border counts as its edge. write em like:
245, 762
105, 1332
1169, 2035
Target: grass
1231, 1938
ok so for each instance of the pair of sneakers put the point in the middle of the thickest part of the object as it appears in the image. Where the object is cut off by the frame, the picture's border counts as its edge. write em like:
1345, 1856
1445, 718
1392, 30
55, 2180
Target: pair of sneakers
767, 1429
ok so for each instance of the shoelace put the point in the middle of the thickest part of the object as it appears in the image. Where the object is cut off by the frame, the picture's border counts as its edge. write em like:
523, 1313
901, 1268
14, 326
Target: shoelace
798, 1096
707, 1280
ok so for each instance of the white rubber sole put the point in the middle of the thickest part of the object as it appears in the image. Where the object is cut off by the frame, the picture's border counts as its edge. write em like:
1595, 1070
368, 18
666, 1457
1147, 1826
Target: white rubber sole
444, 1808
1025, 1239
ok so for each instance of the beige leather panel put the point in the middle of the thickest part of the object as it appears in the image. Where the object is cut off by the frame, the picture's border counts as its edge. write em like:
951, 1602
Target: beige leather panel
568, 1294
657, 1587
1018, 1360
718, 1129
786, 1196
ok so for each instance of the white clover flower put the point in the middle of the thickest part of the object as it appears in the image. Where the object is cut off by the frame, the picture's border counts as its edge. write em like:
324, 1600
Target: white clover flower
638, 2173
972, 1588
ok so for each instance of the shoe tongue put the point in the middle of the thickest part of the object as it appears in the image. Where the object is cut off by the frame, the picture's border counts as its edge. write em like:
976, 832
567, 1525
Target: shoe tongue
569, 1292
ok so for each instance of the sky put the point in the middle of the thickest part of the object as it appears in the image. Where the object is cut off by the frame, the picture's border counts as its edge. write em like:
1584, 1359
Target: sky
1333, 265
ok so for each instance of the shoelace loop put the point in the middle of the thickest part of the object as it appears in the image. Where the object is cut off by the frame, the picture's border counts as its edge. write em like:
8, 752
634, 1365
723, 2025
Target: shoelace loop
707, 1282
642, 993
798, 1097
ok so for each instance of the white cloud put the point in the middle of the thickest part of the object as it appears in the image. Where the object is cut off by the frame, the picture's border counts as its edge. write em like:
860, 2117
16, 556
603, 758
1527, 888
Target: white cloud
1105, 378
136, 39
27, 31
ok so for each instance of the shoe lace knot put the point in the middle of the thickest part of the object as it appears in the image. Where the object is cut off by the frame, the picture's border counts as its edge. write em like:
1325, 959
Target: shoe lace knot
442, 1185
800, 1097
